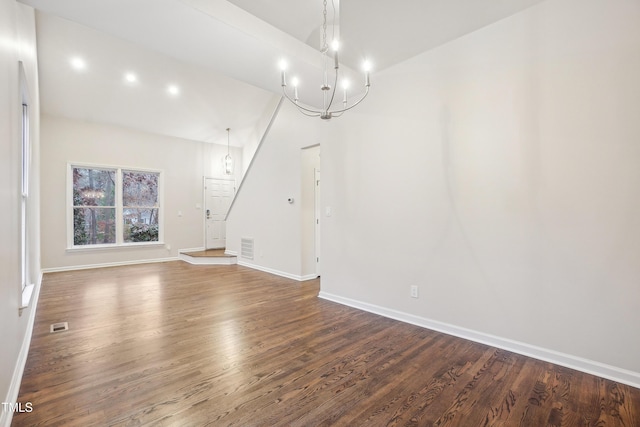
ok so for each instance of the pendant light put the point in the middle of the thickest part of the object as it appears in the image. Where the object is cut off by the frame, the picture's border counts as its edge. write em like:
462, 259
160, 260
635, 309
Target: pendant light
228, 163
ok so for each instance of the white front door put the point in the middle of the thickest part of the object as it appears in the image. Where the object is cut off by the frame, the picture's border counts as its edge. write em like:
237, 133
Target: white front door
218, 196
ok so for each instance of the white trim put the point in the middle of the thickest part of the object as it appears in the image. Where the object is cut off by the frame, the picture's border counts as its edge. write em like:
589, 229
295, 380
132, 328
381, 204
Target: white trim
317, 221
16, 379
567, 360
232, 253
182, 251
25, 179
27, 294
276, 272
109, 264
114, 246
225, 260
274, 115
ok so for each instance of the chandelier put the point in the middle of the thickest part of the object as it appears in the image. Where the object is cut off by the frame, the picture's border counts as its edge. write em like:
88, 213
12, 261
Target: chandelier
328, 92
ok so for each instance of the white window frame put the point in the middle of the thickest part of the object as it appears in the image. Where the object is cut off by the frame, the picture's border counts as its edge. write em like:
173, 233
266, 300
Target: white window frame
120, 243
26, 287
25, 170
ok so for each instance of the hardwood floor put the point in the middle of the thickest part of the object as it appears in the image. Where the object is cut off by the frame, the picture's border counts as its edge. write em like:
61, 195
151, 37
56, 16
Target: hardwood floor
174, 344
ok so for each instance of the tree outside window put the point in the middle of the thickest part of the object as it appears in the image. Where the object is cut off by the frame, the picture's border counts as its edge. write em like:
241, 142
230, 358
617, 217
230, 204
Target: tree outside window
94, 206
140, 206
114, 206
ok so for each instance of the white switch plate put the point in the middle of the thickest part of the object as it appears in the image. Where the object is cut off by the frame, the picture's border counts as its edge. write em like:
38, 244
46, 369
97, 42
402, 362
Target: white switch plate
414, 291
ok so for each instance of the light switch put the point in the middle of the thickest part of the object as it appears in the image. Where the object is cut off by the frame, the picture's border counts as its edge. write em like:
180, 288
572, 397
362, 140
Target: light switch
328, 211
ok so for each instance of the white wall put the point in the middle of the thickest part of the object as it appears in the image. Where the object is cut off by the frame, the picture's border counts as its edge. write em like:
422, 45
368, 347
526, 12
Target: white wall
184, 163
17, 43
261, 210
501, 173
251, 145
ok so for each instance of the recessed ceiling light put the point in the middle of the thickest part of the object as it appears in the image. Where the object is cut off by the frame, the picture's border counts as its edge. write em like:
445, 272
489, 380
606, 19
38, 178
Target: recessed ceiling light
173, 90
78, 63
130, 78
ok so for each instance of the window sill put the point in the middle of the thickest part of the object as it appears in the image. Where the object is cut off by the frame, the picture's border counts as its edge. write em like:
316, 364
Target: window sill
27, 293
92, 248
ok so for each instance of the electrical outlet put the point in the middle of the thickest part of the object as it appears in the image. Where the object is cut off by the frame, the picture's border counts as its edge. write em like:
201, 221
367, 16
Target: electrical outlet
414, 291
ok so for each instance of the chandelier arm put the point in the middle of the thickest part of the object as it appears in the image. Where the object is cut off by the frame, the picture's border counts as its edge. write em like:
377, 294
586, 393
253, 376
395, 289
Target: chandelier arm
333, 93
316, 113
356, 103
309, 114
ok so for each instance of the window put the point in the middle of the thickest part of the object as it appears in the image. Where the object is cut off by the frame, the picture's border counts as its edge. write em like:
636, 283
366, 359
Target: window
25, 170
140, 206
94, 206
26, 287
114, 207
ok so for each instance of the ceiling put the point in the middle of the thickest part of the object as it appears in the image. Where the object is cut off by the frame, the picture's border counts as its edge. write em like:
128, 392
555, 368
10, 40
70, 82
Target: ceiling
223, 55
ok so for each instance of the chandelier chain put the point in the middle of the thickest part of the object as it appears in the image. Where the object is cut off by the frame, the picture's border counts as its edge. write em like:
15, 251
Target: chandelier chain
325, 46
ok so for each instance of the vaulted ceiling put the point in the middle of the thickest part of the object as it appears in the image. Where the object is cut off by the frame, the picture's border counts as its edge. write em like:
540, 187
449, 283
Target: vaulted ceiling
222, 56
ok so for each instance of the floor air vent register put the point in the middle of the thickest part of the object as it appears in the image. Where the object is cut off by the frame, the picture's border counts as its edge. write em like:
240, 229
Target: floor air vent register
59, 327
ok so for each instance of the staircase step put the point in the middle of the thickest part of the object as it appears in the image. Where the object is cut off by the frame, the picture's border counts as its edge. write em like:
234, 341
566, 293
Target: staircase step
209, 257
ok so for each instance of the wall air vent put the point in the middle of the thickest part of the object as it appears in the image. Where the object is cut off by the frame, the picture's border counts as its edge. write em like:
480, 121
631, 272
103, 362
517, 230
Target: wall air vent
246, 248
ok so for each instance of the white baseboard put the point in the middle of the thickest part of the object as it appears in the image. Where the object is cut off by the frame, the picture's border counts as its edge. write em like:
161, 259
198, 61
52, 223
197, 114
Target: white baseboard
16, 379
567, 360
276, 272
109, 264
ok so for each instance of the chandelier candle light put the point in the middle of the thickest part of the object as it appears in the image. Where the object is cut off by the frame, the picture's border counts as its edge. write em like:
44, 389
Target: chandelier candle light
328, 93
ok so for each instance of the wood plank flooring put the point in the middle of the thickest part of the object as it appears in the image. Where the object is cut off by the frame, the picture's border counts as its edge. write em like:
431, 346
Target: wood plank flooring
174, 344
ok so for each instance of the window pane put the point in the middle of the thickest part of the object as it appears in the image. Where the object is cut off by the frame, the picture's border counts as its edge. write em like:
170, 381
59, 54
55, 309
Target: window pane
94, 226
25, 149
139, 189
94, 187
25, 191
140, 225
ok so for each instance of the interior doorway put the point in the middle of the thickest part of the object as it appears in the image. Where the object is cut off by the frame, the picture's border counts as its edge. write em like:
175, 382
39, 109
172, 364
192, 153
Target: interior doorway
317, 207
310, 210
219, 194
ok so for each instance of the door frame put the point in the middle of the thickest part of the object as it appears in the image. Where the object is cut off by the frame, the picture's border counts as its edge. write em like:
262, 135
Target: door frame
204, 202
317, 219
